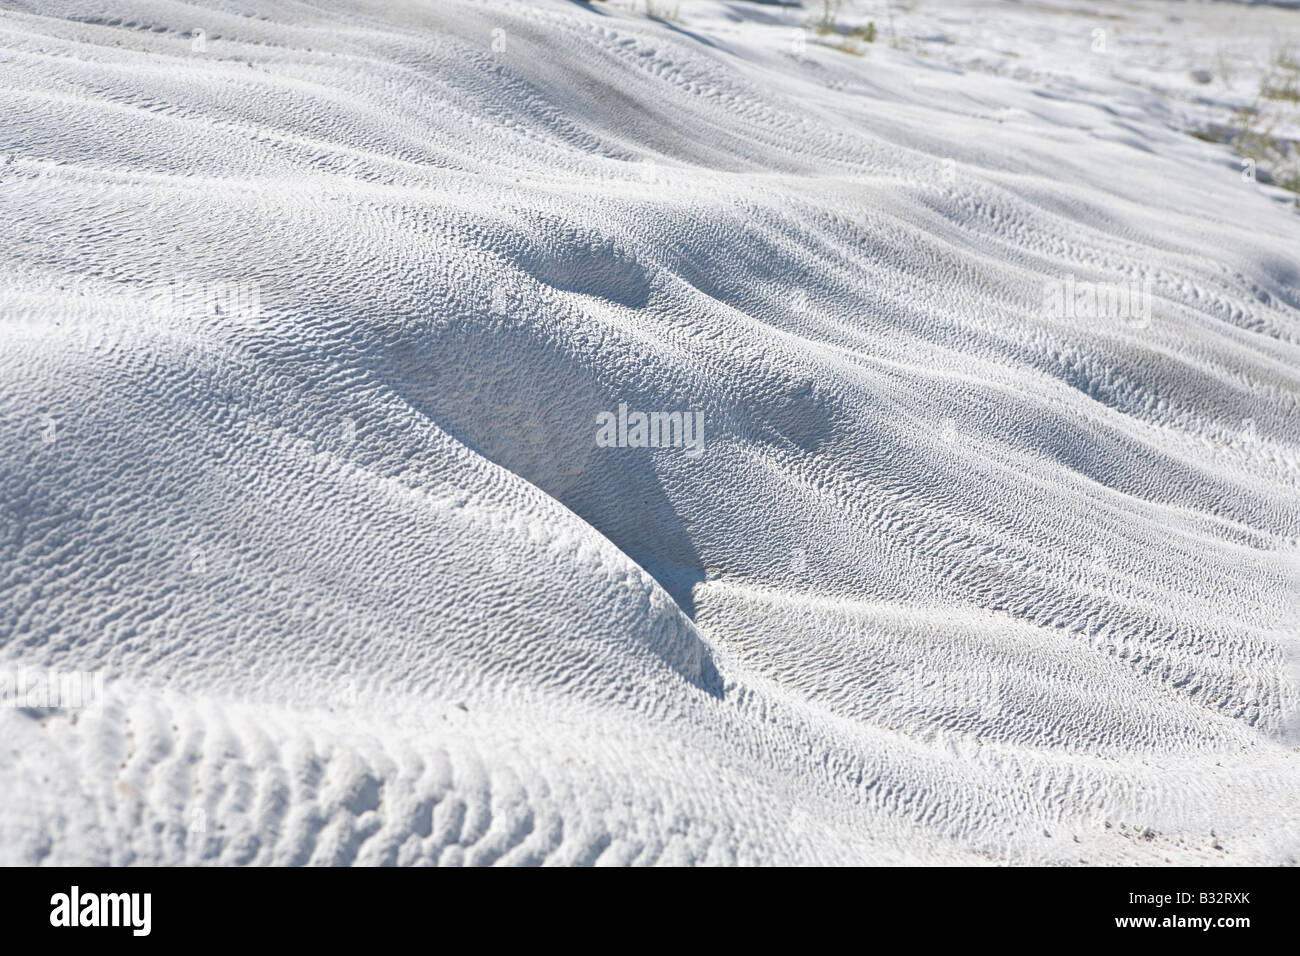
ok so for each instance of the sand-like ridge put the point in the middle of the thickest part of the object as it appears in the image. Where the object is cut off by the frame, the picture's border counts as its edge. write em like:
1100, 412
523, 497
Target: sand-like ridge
307, 323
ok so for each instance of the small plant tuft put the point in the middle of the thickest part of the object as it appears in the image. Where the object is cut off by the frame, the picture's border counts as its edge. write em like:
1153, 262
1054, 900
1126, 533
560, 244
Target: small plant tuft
663, 12
828, 20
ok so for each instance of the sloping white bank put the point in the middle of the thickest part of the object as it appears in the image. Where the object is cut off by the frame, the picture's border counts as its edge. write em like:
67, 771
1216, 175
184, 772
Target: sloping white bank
311, 322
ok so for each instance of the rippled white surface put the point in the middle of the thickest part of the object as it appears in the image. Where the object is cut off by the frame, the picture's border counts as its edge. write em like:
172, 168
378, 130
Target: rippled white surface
954, 580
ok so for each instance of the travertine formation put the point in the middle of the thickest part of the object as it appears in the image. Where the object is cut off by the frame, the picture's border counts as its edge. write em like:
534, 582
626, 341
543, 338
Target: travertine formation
311, 316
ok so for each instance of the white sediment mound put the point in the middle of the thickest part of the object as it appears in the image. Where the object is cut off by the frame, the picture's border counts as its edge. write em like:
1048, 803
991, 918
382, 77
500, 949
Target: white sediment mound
310, 312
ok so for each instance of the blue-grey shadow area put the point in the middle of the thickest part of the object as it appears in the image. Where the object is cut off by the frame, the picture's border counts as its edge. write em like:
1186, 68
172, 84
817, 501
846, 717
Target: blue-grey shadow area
524, 402
595, 267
